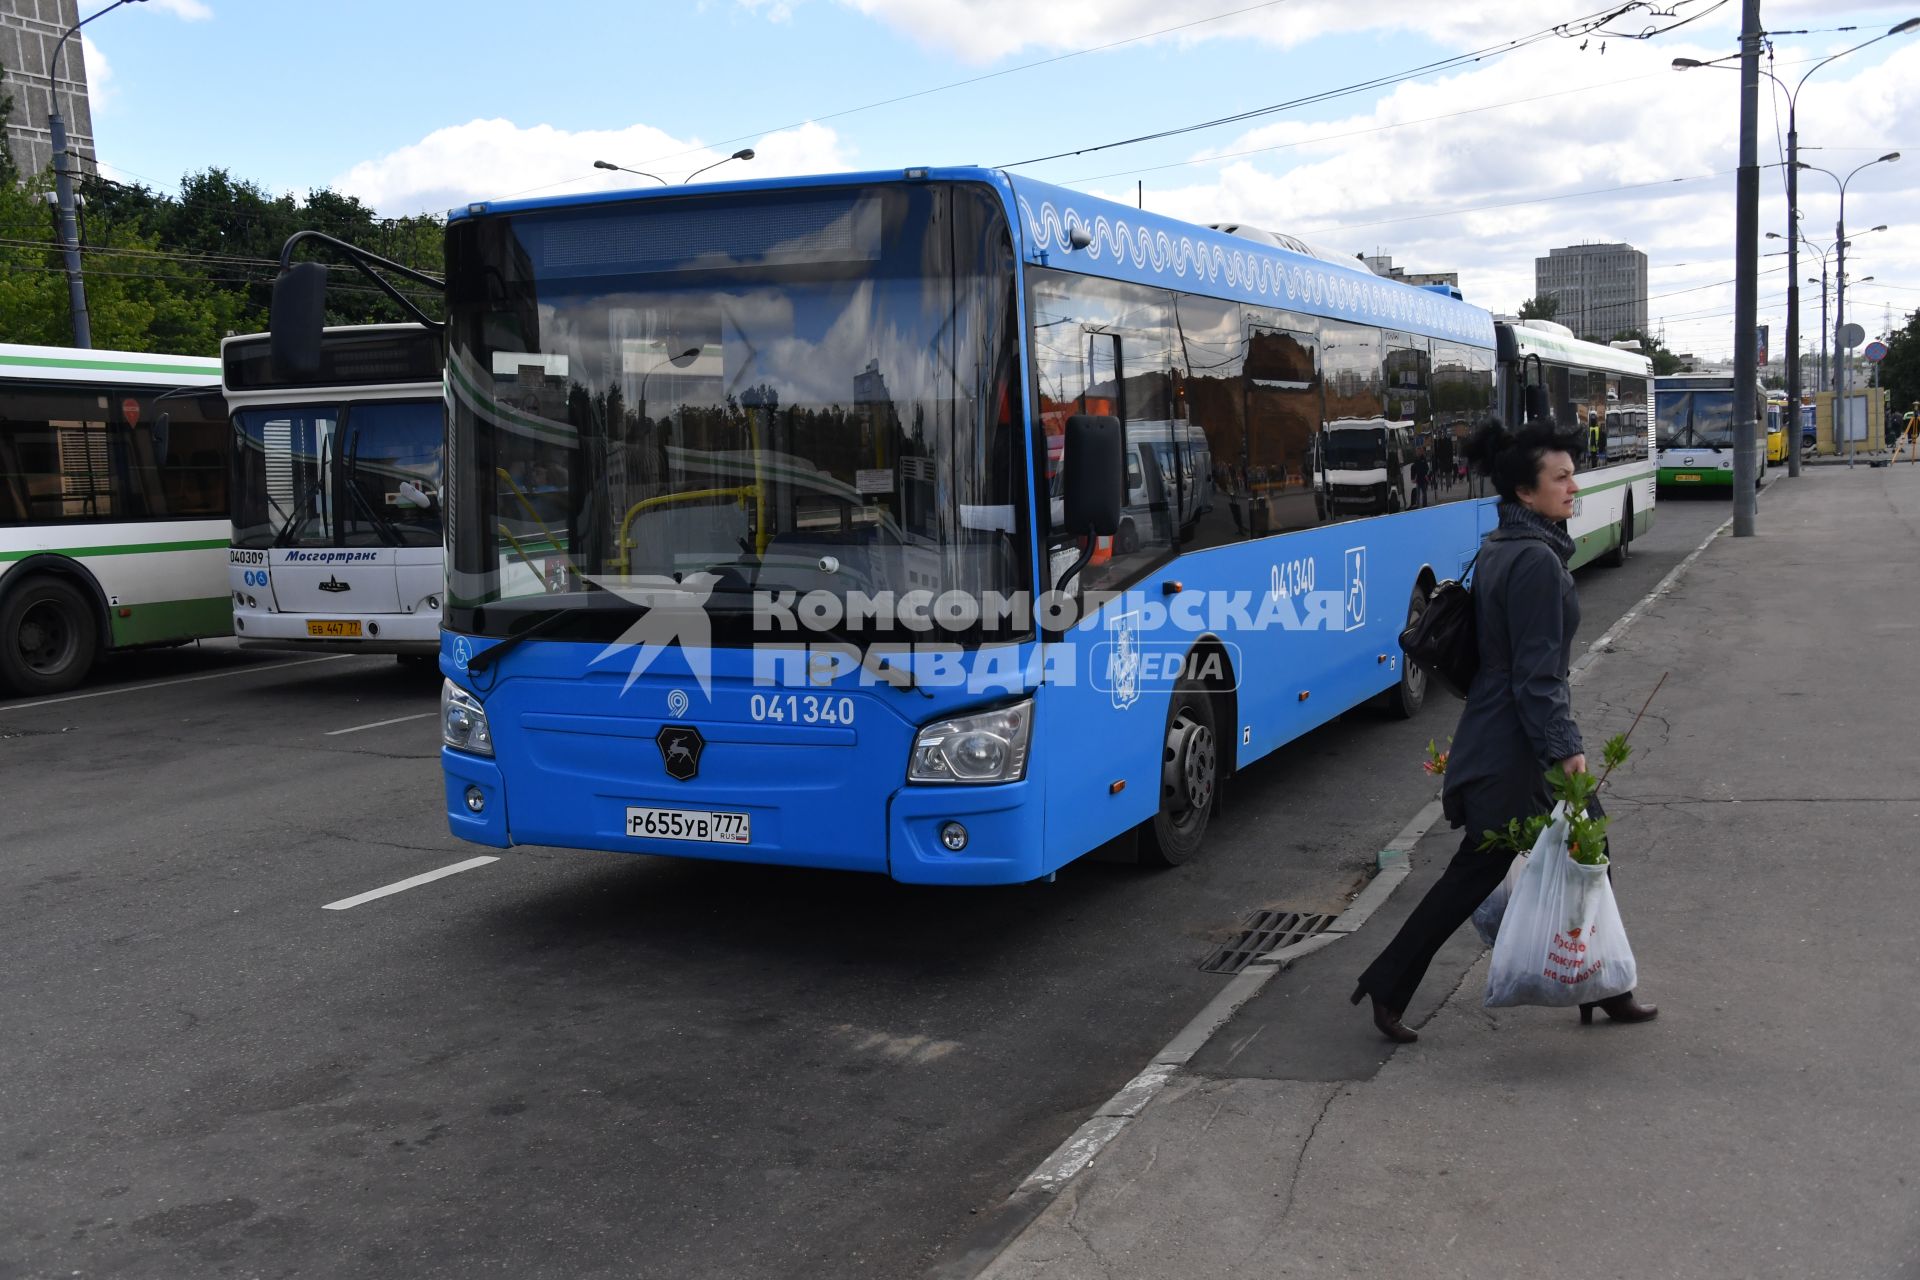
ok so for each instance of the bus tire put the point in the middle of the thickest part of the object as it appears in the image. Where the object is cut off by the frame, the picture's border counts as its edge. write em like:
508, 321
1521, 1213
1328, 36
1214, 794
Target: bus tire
1623, 549
48, 637
1189, 778
1409, 692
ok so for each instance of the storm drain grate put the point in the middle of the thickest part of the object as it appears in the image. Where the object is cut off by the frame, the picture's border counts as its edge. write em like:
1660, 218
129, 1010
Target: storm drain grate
1265, 931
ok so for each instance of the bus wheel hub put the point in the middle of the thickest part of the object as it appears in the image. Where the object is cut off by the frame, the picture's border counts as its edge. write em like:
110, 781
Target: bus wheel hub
1187, 778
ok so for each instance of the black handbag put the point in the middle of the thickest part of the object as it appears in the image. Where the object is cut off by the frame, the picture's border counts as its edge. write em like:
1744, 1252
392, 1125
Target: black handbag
1444, 641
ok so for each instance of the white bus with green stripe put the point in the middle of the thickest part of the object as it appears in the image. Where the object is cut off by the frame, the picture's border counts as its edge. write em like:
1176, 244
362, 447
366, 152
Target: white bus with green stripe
1603, 394
338, 540
1696, 431
113, 508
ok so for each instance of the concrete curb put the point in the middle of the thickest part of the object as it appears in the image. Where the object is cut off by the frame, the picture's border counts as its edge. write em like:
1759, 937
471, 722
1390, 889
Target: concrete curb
977, 1248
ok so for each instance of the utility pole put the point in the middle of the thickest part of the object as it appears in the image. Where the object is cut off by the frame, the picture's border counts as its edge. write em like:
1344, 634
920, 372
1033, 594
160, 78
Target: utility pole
63, 184
1746, 254
69, 229
1793, 292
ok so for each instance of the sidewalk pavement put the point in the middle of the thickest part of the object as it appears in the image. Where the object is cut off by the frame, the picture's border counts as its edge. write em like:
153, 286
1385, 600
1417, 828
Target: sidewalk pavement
1766, 1125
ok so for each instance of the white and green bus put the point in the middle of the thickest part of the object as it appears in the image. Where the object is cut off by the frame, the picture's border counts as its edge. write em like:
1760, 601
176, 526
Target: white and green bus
337, 536
113, 508
1605, 395
1697, 432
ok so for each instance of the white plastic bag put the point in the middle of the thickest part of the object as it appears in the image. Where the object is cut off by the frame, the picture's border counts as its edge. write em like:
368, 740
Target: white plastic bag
1487, 916
1561, 941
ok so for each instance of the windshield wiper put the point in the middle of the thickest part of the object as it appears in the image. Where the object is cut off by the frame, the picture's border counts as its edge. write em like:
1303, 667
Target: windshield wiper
311, 499
379, 520
542, 623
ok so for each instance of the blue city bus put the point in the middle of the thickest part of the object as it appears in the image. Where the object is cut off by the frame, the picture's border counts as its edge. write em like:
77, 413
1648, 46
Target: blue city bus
935, 523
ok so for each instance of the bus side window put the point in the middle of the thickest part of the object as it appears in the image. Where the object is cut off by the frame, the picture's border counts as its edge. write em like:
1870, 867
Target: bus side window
1284, 414
1211, 420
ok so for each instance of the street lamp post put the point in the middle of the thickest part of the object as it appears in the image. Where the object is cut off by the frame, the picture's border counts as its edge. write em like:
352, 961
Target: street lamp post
744, 153
63, 186
1813, 247
1793, 223
608, 164
1746, 295
1842, 365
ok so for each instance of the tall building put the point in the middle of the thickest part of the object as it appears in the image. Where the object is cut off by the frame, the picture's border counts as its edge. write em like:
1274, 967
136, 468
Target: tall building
1382, 265
1601, 288
29, 30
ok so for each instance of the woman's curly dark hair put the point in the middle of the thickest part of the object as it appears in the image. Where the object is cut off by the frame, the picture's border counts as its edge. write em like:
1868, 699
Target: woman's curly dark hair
1511, 459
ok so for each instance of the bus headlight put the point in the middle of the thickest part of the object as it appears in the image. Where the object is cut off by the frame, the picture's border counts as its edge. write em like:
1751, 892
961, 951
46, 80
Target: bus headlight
988, 747
463, 721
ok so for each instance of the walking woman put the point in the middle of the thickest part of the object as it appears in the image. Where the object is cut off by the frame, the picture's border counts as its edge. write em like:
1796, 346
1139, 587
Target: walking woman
1518, 720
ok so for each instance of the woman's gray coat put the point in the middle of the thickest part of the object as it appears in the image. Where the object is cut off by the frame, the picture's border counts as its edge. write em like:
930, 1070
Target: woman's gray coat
1517, 722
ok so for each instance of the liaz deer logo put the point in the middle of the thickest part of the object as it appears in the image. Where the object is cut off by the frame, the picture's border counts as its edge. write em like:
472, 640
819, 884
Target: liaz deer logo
680, 746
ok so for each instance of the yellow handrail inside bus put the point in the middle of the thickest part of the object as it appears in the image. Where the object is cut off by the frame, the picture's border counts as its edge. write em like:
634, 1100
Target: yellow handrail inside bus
535, 517
757, 490
738, 493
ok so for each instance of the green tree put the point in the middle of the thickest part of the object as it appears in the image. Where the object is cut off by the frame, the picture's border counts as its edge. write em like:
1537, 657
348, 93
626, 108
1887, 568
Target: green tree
1542, 307
1900, 371
217, 244
138, 297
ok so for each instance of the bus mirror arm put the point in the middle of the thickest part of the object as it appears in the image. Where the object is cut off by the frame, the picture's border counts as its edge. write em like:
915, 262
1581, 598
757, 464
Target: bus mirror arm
1073, 570
300, 300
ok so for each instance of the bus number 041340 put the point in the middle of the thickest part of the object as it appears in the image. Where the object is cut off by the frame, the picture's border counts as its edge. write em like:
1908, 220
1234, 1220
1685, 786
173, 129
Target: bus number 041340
800, 709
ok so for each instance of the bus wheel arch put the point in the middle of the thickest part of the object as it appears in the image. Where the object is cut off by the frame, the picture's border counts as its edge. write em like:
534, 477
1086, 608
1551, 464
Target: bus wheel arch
1408, 694
1196, 755
53, 625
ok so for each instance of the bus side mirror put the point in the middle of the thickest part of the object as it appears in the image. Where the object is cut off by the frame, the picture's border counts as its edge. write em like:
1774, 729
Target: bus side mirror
299, 313
1538, 410
1094, 467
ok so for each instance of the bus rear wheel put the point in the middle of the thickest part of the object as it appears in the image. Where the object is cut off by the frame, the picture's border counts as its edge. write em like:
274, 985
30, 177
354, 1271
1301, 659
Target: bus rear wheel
1623, 549
47, 639
1189, 778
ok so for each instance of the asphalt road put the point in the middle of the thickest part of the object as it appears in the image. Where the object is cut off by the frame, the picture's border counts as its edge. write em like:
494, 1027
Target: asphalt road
561, 1063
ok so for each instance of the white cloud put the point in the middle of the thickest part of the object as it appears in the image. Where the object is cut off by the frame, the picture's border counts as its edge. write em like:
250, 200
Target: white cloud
496, 159
1643, 123
101, 90
185, 10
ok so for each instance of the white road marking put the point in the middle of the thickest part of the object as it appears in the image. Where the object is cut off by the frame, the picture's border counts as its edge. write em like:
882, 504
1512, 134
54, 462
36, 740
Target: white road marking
411, 882
163, 684
379, 724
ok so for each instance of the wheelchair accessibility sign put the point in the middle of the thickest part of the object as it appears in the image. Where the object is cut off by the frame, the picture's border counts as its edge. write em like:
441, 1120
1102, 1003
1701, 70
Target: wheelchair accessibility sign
1355, 606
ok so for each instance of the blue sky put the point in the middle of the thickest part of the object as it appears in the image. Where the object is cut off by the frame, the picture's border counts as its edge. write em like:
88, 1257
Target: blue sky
416, 105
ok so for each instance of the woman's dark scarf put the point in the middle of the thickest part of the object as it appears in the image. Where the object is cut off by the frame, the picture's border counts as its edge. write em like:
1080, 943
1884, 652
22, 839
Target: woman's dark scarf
1515, 518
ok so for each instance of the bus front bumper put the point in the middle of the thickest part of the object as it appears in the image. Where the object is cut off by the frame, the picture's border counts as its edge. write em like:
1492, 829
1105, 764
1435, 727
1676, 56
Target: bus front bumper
1001, 826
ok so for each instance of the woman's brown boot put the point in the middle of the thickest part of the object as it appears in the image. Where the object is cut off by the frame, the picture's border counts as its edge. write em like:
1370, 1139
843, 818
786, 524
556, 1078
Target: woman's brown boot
1620, 1008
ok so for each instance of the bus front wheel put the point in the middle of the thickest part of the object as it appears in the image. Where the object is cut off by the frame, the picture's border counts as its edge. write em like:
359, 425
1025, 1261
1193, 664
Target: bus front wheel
47, 639
1409, 693
1189, 778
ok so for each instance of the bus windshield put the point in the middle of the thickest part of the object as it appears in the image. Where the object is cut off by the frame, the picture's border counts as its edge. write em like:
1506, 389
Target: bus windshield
1356, 448
328, 475
1696, 420
800, 391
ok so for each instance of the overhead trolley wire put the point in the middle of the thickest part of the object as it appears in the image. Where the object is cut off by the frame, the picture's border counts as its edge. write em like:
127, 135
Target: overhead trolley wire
1590, 24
